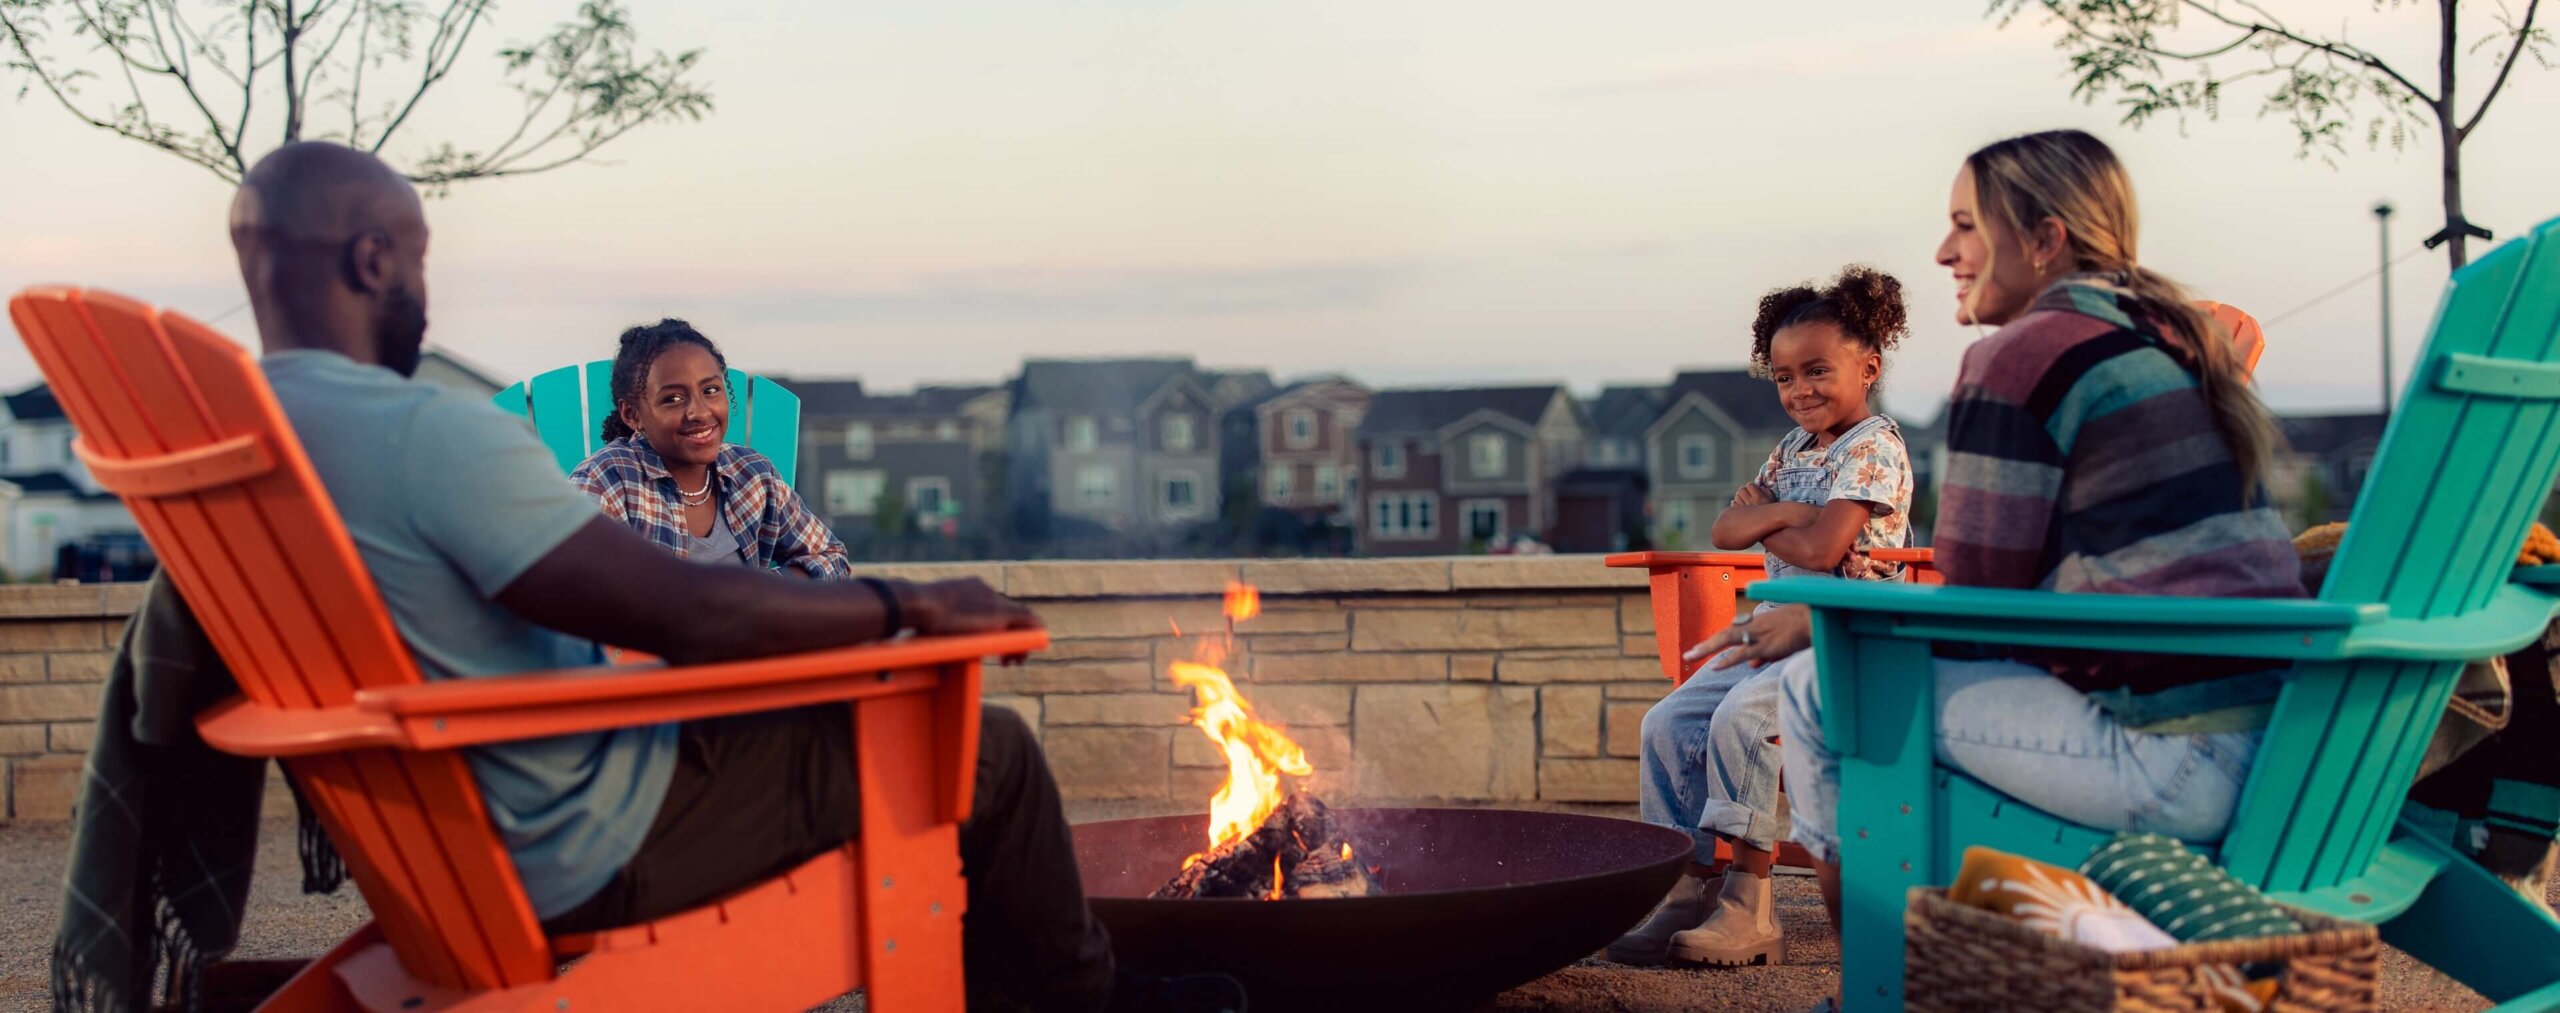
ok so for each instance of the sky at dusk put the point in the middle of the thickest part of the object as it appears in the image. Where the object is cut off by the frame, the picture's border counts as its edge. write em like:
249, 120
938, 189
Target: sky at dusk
1410, 193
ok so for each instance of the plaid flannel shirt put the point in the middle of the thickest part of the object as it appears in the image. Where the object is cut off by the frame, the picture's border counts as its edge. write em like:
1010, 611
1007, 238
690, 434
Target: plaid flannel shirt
775, 529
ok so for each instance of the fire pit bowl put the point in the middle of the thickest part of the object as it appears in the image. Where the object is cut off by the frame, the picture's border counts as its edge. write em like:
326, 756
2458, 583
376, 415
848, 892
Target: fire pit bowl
1476, 901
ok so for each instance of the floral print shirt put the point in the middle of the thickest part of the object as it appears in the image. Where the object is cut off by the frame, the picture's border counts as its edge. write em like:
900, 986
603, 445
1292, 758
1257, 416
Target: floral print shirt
1867, 464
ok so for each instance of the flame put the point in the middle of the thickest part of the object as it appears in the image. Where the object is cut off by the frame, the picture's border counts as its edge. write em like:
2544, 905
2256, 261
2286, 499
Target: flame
1346, 851
1257, 754
1275, 878
1243, 602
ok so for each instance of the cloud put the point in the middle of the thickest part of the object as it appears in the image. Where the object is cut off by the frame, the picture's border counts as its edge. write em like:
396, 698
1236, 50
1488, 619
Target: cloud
1009, 295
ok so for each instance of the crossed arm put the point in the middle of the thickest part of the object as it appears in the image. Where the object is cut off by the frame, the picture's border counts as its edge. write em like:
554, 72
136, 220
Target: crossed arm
1815, 538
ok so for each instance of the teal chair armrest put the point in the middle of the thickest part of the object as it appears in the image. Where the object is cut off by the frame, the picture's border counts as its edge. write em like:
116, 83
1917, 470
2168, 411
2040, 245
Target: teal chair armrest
2298, 629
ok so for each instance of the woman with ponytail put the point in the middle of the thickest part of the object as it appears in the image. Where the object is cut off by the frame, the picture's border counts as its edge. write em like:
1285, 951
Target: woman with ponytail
666, 470
2103, 440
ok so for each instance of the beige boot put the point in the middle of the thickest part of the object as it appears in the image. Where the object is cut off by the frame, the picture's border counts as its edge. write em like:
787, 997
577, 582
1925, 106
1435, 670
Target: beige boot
1743, 930
1685, 907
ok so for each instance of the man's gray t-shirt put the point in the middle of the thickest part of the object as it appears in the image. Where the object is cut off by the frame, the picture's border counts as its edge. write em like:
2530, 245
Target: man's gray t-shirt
449, 501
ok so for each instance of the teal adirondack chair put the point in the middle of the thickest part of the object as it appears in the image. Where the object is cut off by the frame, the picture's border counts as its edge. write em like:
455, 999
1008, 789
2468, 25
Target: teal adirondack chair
568, 406
2425, 581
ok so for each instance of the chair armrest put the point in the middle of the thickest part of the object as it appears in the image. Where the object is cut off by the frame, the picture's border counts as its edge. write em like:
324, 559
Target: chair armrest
452, 713
1673, 560
2280, 628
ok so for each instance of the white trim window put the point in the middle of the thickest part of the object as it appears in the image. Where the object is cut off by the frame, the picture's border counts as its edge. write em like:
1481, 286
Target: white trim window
928, 495
1676, 518
1696, 456
1097, 485
1179, 491
1484, 519
1404, 516
855, 493
1386, 460
1277, 482
1298, 429
1083, 434
1487, 455
858, 442
947, 431
1328, 482
1178, 433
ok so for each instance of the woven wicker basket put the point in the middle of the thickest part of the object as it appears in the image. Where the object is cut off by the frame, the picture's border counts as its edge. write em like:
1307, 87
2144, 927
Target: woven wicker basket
1965, 958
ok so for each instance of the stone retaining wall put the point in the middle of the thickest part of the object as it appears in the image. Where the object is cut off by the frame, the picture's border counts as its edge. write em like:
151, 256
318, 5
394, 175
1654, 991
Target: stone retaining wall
1490, 679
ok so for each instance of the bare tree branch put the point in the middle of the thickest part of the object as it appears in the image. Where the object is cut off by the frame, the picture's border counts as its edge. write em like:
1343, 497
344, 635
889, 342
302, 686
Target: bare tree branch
2524, 36
2348, 52
434, 71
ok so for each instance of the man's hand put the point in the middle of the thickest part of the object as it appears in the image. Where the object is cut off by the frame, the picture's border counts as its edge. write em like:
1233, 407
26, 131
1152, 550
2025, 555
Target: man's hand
1759, 639
967, 605
1754, 494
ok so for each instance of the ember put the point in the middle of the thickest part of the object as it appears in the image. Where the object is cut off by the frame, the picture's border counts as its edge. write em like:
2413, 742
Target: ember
1262, 844
1298, 851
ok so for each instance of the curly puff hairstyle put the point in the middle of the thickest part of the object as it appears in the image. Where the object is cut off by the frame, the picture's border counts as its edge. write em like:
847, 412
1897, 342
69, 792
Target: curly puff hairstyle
641, 347
1864, 302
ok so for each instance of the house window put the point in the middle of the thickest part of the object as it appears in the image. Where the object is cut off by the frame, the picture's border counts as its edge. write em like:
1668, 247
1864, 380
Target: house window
1097, 485
1082, 434
1177, 432
946, 431
855, 493
1181, 493
1613, 453
1485, 456
1697, 456
1407, 516
1301, 427
1675, 516
1328, 481
1386, 460
1276, 483
857, 441
929, 495
1484, 518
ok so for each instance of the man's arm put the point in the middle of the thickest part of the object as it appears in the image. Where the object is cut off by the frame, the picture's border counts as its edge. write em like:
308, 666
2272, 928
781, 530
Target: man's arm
606, 583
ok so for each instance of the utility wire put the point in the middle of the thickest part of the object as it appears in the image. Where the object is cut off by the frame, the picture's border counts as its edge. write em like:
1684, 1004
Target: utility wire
2343, 289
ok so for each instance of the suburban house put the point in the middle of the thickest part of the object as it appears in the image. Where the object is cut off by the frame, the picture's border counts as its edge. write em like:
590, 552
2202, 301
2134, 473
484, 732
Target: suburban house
439, 366
56, 504
2321, 467
1448, 471
1714, 432
1309, 454
893, 467
1602, 506
1115, 448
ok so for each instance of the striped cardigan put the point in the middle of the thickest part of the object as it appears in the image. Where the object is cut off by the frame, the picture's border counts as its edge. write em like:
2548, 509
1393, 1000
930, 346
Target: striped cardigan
2082, 457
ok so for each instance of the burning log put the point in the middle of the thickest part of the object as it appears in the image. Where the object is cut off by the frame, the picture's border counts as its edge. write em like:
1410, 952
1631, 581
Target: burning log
1298, 851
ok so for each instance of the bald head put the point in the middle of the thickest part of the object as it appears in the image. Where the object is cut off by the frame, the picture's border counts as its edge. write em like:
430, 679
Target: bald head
332, 246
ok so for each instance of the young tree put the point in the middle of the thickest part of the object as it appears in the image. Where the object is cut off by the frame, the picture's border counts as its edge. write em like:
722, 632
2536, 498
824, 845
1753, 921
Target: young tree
2327, 87
197, 78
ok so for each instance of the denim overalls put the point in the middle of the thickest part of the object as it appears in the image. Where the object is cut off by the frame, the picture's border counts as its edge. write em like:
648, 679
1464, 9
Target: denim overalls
1811, 483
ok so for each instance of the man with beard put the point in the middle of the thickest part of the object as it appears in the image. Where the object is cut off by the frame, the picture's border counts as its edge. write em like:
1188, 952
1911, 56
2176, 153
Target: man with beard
491, 563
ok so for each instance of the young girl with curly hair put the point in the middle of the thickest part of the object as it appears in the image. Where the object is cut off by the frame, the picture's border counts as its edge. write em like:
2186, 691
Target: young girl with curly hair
1835, 488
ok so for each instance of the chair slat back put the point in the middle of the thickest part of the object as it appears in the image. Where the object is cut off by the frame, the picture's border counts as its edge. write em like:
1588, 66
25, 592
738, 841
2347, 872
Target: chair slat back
568, 406
269, 569
2465, 464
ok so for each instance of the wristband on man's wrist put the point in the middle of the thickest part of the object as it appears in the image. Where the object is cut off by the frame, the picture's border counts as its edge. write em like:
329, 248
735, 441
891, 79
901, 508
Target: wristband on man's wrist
892, 615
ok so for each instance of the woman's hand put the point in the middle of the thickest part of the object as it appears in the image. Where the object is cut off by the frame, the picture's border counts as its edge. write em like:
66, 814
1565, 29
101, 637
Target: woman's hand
1754, 494
1758, 639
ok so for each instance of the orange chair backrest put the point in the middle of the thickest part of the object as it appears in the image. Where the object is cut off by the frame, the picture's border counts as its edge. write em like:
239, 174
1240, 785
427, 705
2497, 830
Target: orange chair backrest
2246, 336
180, 422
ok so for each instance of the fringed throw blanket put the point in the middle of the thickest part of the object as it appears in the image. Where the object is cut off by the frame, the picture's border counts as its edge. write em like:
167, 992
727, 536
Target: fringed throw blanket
167, 828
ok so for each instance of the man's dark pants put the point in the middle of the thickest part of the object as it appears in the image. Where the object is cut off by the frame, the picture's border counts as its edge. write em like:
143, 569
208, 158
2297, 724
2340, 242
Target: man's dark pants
757, 794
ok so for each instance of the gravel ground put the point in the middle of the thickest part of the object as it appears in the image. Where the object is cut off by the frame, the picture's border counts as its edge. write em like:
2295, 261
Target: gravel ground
283, 922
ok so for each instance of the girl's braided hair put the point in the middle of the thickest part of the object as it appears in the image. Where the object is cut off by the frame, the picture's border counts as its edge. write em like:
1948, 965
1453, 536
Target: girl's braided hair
641, 347
1864, 302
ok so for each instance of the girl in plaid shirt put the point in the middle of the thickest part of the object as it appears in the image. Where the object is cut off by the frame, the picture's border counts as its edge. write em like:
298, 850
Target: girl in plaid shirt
665, 470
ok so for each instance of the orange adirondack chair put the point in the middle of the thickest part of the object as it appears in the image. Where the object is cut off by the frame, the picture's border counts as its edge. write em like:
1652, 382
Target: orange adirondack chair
180, 422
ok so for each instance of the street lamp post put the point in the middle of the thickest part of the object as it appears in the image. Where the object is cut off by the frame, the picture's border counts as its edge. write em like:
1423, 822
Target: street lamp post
2382, 221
